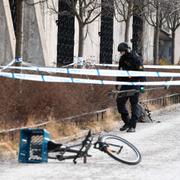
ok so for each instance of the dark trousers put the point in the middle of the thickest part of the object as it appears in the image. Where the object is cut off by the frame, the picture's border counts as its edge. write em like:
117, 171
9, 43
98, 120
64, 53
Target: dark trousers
122, 109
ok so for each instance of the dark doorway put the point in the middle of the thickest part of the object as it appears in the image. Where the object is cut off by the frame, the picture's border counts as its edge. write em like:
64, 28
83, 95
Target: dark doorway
12, 4
65, 46
106, 33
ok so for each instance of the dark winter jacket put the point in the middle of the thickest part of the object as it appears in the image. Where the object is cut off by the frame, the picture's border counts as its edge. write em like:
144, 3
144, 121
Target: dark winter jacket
131, 62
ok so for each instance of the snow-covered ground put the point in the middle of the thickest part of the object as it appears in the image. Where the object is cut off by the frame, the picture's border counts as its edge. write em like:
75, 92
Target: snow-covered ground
158, 143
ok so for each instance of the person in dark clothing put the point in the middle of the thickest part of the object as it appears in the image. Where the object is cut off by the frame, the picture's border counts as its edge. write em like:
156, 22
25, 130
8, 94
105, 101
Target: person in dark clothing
132, 62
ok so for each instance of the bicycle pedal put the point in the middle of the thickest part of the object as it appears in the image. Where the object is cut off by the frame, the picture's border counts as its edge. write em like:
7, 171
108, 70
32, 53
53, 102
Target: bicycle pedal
74, 161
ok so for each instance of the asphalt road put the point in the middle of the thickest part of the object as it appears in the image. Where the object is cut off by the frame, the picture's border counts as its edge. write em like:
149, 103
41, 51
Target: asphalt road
158, 143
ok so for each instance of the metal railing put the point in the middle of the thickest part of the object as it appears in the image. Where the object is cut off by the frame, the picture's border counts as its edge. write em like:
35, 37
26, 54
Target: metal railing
165, 100
161, 101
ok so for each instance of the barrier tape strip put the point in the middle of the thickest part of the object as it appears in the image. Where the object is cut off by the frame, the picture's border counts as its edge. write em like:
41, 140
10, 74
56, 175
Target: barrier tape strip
145, 66
7, 66
45, 78
99, 72
68, 65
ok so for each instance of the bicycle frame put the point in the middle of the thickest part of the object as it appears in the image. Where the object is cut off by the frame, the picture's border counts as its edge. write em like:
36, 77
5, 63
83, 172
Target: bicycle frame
82, 152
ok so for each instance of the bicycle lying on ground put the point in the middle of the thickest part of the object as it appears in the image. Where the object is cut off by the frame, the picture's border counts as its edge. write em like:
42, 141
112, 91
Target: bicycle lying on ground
114, 146
36, 147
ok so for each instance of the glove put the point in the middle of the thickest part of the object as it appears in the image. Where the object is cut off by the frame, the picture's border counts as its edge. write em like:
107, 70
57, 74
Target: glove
117, 87
142, 90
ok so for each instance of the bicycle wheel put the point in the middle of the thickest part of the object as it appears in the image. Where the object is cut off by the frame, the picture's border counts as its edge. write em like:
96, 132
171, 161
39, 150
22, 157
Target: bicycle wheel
120, 149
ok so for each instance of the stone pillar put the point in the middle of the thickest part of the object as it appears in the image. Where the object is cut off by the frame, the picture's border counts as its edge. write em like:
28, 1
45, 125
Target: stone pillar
7, 36
40, 34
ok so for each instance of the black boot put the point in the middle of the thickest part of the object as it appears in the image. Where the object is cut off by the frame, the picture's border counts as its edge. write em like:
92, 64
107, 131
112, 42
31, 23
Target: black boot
125, 119
124, 127
131, 129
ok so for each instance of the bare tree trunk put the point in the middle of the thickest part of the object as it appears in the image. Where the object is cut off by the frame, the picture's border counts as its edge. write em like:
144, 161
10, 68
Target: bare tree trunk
127, 22
19, 33
156, 45
156, 38
173, 47
126, 36
81, 40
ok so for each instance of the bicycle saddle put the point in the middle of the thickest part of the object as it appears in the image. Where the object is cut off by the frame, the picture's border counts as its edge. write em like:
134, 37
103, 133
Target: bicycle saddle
52, 145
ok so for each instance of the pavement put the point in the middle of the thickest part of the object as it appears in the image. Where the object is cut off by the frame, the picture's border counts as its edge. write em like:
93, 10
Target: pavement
158, 143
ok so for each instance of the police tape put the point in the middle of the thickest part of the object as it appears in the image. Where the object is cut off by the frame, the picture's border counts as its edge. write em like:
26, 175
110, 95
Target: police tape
8, 65
46, 78
145, 66
98, 72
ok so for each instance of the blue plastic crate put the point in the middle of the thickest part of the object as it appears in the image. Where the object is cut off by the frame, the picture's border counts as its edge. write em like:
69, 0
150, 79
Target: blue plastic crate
33, 146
